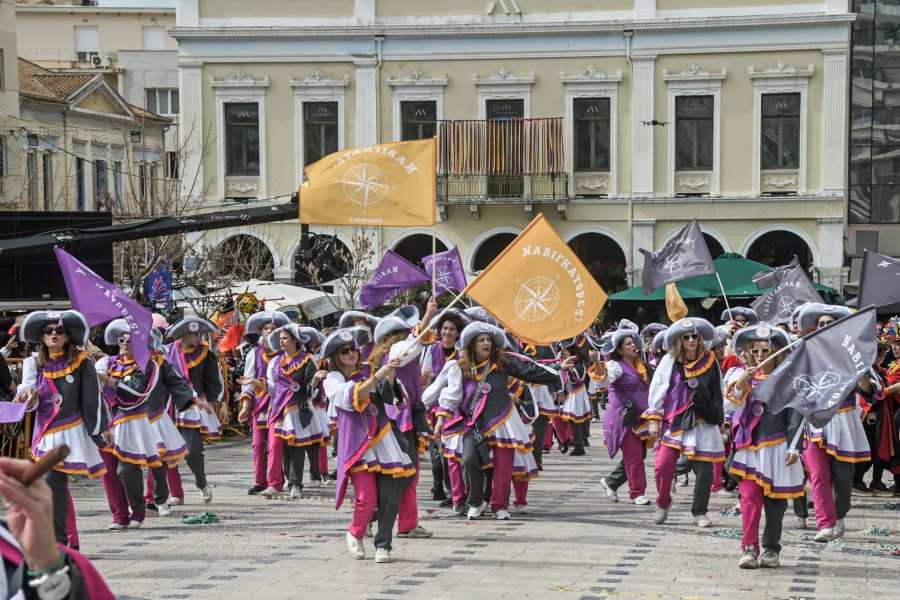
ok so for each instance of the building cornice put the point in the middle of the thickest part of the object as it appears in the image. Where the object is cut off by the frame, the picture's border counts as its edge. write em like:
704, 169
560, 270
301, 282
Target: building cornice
505, 30
99, 10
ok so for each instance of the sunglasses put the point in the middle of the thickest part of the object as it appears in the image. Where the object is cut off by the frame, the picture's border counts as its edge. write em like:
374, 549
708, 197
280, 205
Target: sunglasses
124, 340
822, 324
52, 330
347, 350
763, 351
690, 336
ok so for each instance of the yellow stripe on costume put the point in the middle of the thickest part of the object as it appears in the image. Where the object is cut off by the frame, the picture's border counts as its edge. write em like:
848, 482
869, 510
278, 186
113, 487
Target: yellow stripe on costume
199, 359
63, 427
73, 366
767, 488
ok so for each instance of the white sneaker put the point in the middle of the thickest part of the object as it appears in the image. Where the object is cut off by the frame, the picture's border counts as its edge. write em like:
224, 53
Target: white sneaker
702, 521
798, 522
824, 535
769, 559
610, 493
135, 524
296, 492
476, 511
314, 483
164, 510
417, 532
682, 480
640, 501
206, 495
173, 501
502, 515
369, 531
660, 516
269, 492
521, 509
117, 526
382, 555
749, 560
722, 493
839, 529
355, 547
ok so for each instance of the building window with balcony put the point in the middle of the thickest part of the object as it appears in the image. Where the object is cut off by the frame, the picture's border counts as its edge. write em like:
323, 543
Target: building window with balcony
418, 120
780, 131
162, 101
80, 199
320, 130
592, 134
242, 139
47, 173
101, 185
118, 187
87, 43
694, 133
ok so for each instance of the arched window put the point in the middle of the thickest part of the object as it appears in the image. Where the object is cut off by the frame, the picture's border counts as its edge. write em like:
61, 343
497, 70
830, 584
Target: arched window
603, 258
777, 248
321, 259
416, 247
491, 249
243, 257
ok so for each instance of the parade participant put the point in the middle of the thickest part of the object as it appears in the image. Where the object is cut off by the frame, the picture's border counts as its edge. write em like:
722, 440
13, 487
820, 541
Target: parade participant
450, 440
769, 470
576, 409
130, 392
60, 383
647, 334
885, 438
477, 390
34, 565
628, 381
395, 339
448, 326
319, 403
833, 450
292, 415
735, 318
267, 447
193, 359
372, 453
688, 376
719, 344
126, 389
355, 318
657, 348
545, 397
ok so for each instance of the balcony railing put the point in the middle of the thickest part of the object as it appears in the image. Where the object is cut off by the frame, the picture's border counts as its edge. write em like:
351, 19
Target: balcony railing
503, 160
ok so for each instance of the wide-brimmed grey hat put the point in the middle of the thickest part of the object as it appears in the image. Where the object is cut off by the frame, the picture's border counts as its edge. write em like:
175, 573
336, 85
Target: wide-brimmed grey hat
808, 318
405, 317
659, 342
625, 324
118, 327
358, 336
314, 335
761, 332
291, 328
620, 335
475, 329
255, 322
649, 331
75, 324
479, 313
191, 324
348, 319
691, 325
729, 313
722, 333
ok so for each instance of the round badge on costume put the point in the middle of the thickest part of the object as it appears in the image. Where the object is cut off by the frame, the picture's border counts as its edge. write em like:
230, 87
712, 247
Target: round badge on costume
484, 326
269, 315
54, 314
70, 379
692, 382
758, 410
828, 308
56, 399
763, 332
346, 336
486, 388
193, 326
373, 410
127, 378
687, 323
295, 387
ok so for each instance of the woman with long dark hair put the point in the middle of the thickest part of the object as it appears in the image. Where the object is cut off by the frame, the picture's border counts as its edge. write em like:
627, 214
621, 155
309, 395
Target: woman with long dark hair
576, 408
477, 395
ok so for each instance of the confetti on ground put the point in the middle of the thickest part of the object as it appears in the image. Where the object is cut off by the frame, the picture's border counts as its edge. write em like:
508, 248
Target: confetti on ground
892, 506
204, 518
730, 512
729, 533
874, 531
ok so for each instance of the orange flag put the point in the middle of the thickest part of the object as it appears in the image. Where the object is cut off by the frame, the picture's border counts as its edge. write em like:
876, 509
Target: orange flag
674, 304
389, 185
538, 288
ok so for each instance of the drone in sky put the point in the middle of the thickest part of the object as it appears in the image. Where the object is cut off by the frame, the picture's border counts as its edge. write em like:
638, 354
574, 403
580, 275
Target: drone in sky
654, 123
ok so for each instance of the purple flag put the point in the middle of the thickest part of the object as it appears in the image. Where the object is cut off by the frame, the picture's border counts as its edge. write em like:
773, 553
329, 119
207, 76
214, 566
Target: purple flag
100, 301
12, 412
394, 274
448, 271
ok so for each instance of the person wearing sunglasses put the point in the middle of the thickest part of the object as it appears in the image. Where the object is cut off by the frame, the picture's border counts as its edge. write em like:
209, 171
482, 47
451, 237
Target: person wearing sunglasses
60, 384
372, 451
267, 450
832, 451
770, 471
686, 411
133, 393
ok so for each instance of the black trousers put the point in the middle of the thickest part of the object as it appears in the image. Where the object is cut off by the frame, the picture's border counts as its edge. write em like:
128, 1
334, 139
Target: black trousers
195, 458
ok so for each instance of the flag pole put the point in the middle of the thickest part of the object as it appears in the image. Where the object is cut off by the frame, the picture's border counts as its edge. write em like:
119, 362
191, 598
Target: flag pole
722, 287
438, 318
774, 354
433, 252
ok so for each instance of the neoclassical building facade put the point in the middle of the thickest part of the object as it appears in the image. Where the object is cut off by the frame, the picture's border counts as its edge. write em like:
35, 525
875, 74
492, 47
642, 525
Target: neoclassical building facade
619, 120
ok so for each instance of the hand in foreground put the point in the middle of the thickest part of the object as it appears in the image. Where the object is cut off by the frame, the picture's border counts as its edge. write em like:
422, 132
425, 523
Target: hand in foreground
29, 514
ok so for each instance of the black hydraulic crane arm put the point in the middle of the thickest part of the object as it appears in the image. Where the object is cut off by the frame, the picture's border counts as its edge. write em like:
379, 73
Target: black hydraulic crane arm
97, 236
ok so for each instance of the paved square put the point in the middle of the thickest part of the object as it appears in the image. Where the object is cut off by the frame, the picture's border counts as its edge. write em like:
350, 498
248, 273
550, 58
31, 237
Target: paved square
573, 544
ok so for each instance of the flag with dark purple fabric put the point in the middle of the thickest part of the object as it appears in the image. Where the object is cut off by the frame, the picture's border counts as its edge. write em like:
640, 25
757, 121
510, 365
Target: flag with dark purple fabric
771, 277
393, 275
686, 255
100, 301
879, 281
447, 271
823, 369
792, 289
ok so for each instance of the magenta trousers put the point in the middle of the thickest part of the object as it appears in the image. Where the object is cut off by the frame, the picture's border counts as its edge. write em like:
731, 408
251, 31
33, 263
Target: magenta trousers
664, 472
115, 491
457, 484
520, 491
632, 449
408, 517
365, 489
268, 450
563, 430
502, 479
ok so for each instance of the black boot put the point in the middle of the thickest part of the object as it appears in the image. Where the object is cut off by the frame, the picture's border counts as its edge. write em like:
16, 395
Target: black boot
437, 488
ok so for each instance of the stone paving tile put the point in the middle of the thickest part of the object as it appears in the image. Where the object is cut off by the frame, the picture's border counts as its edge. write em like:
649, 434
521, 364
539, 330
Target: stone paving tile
572, 544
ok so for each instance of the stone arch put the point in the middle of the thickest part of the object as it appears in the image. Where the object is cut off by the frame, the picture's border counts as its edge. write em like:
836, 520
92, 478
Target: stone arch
415, 244
713, 238
604, 254
488, 245
776, 245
